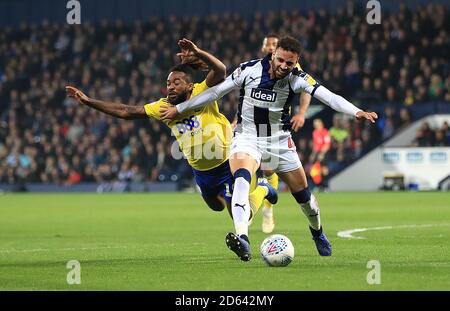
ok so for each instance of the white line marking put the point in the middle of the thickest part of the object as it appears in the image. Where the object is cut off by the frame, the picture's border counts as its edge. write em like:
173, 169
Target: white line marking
349, 233
13, 250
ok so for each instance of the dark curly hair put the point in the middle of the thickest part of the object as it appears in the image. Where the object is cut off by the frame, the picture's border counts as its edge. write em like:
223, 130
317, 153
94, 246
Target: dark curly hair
291, 44
186, 69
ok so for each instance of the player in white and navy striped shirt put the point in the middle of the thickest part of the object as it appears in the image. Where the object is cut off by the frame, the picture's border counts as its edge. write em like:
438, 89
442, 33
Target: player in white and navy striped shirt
263, 135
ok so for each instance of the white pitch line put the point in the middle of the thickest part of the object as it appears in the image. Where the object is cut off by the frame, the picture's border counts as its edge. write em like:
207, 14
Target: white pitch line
13, 250
349, 233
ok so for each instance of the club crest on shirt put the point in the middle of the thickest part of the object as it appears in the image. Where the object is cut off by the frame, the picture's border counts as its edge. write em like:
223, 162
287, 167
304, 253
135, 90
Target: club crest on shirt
236, 73
282, 84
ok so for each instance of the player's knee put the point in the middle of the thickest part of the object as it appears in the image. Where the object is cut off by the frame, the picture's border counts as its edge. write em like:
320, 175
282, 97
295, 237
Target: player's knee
244, 173
215, 203
216, 206
303, 196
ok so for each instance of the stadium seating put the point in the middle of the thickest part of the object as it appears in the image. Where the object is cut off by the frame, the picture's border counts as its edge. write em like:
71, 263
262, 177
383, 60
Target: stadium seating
47, 138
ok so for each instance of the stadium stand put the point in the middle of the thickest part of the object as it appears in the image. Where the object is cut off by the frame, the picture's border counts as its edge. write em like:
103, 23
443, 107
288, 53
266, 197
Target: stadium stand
47, 138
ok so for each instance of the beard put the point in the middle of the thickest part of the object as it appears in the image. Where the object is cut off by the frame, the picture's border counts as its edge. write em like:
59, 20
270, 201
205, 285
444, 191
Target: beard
279, 73
178, 99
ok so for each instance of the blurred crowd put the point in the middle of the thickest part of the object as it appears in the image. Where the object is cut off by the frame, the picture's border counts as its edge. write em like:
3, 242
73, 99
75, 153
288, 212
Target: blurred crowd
45, 137
346, 140
427, 136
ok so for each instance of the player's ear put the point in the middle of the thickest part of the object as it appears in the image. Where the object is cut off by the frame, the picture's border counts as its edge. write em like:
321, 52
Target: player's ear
190, 86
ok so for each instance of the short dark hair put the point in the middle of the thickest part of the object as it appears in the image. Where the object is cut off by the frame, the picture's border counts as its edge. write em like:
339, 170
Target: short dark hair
291, 44
187, 69
271, 35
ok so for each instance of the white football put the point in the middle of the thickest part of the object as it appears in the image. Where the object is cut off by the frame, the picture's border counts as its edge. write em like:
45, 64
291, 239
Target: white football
277, 250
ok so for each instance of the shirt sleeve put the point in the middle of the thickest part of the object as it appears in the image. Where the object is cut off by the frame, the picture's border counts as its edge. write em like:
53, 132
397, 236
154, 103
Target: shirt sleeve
152, 110
208, 96
238, 76
199, 88
303, 82
335, 101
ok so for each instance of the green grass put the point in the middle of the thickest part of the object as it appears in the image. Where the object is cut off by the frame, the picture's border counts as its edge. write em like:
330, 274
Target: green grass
174, 242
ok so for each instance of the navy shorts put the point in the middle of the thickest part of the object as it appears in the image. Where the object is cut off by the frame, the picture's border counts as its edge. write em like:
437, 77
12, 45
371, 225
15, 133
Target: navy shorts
217, 181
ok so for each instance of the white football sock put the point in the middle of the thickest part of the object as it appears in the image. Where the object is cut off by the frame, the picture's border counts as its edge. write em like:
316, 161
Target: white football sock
268, 211
240, 205
312, 212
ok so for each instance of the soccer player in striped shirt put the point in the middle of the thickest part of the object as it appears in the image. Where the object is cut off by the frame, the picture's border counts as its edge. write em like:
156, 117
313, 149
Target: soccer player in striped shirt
298, 120
262, 135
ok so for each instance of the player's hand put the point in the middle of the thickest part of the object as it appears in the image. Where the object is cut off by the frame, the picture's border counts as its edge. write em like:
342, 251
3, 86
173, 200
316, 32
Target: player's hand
193, 61
188, 45
168, 113
297, 121
371, 116
77, 94
189, 56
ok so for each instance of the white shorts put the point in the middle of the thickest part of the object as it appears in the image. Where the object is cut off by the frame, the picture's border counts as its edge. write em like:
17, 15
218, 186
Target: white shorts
276, 153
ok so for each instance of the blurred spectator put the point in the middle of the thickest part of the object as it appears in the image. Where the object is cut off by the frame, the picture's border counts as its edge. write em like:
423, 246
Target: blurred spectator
321, 142
337, 132
404, 118
440, 139
386, 122
427, 137
366, 95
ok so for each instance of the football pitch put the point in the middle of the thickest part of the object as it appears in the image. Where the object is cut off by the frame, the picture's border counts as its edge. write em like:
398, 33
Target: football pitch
173, 241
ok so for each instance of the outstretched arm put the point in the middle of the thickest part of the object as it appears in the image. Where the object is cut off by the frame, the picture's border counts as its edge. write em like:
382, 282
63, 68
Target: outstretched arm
114, 109
304, 82
340, 104
201, 100
218, 70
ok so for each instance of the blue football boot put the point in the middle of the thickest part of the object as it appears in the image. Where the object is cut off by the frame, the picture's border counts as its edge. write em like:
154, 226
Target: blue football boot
239, 245
272, 195
322, 243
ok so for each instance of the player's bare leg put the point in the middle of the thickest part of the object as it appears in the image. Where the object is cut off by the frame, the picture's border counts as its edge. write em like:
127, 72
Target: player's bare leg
298, 185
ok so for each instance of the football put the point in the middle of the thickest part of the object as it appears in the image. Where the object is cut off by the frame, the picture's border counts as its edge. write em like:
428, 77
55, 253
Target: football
277, 250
